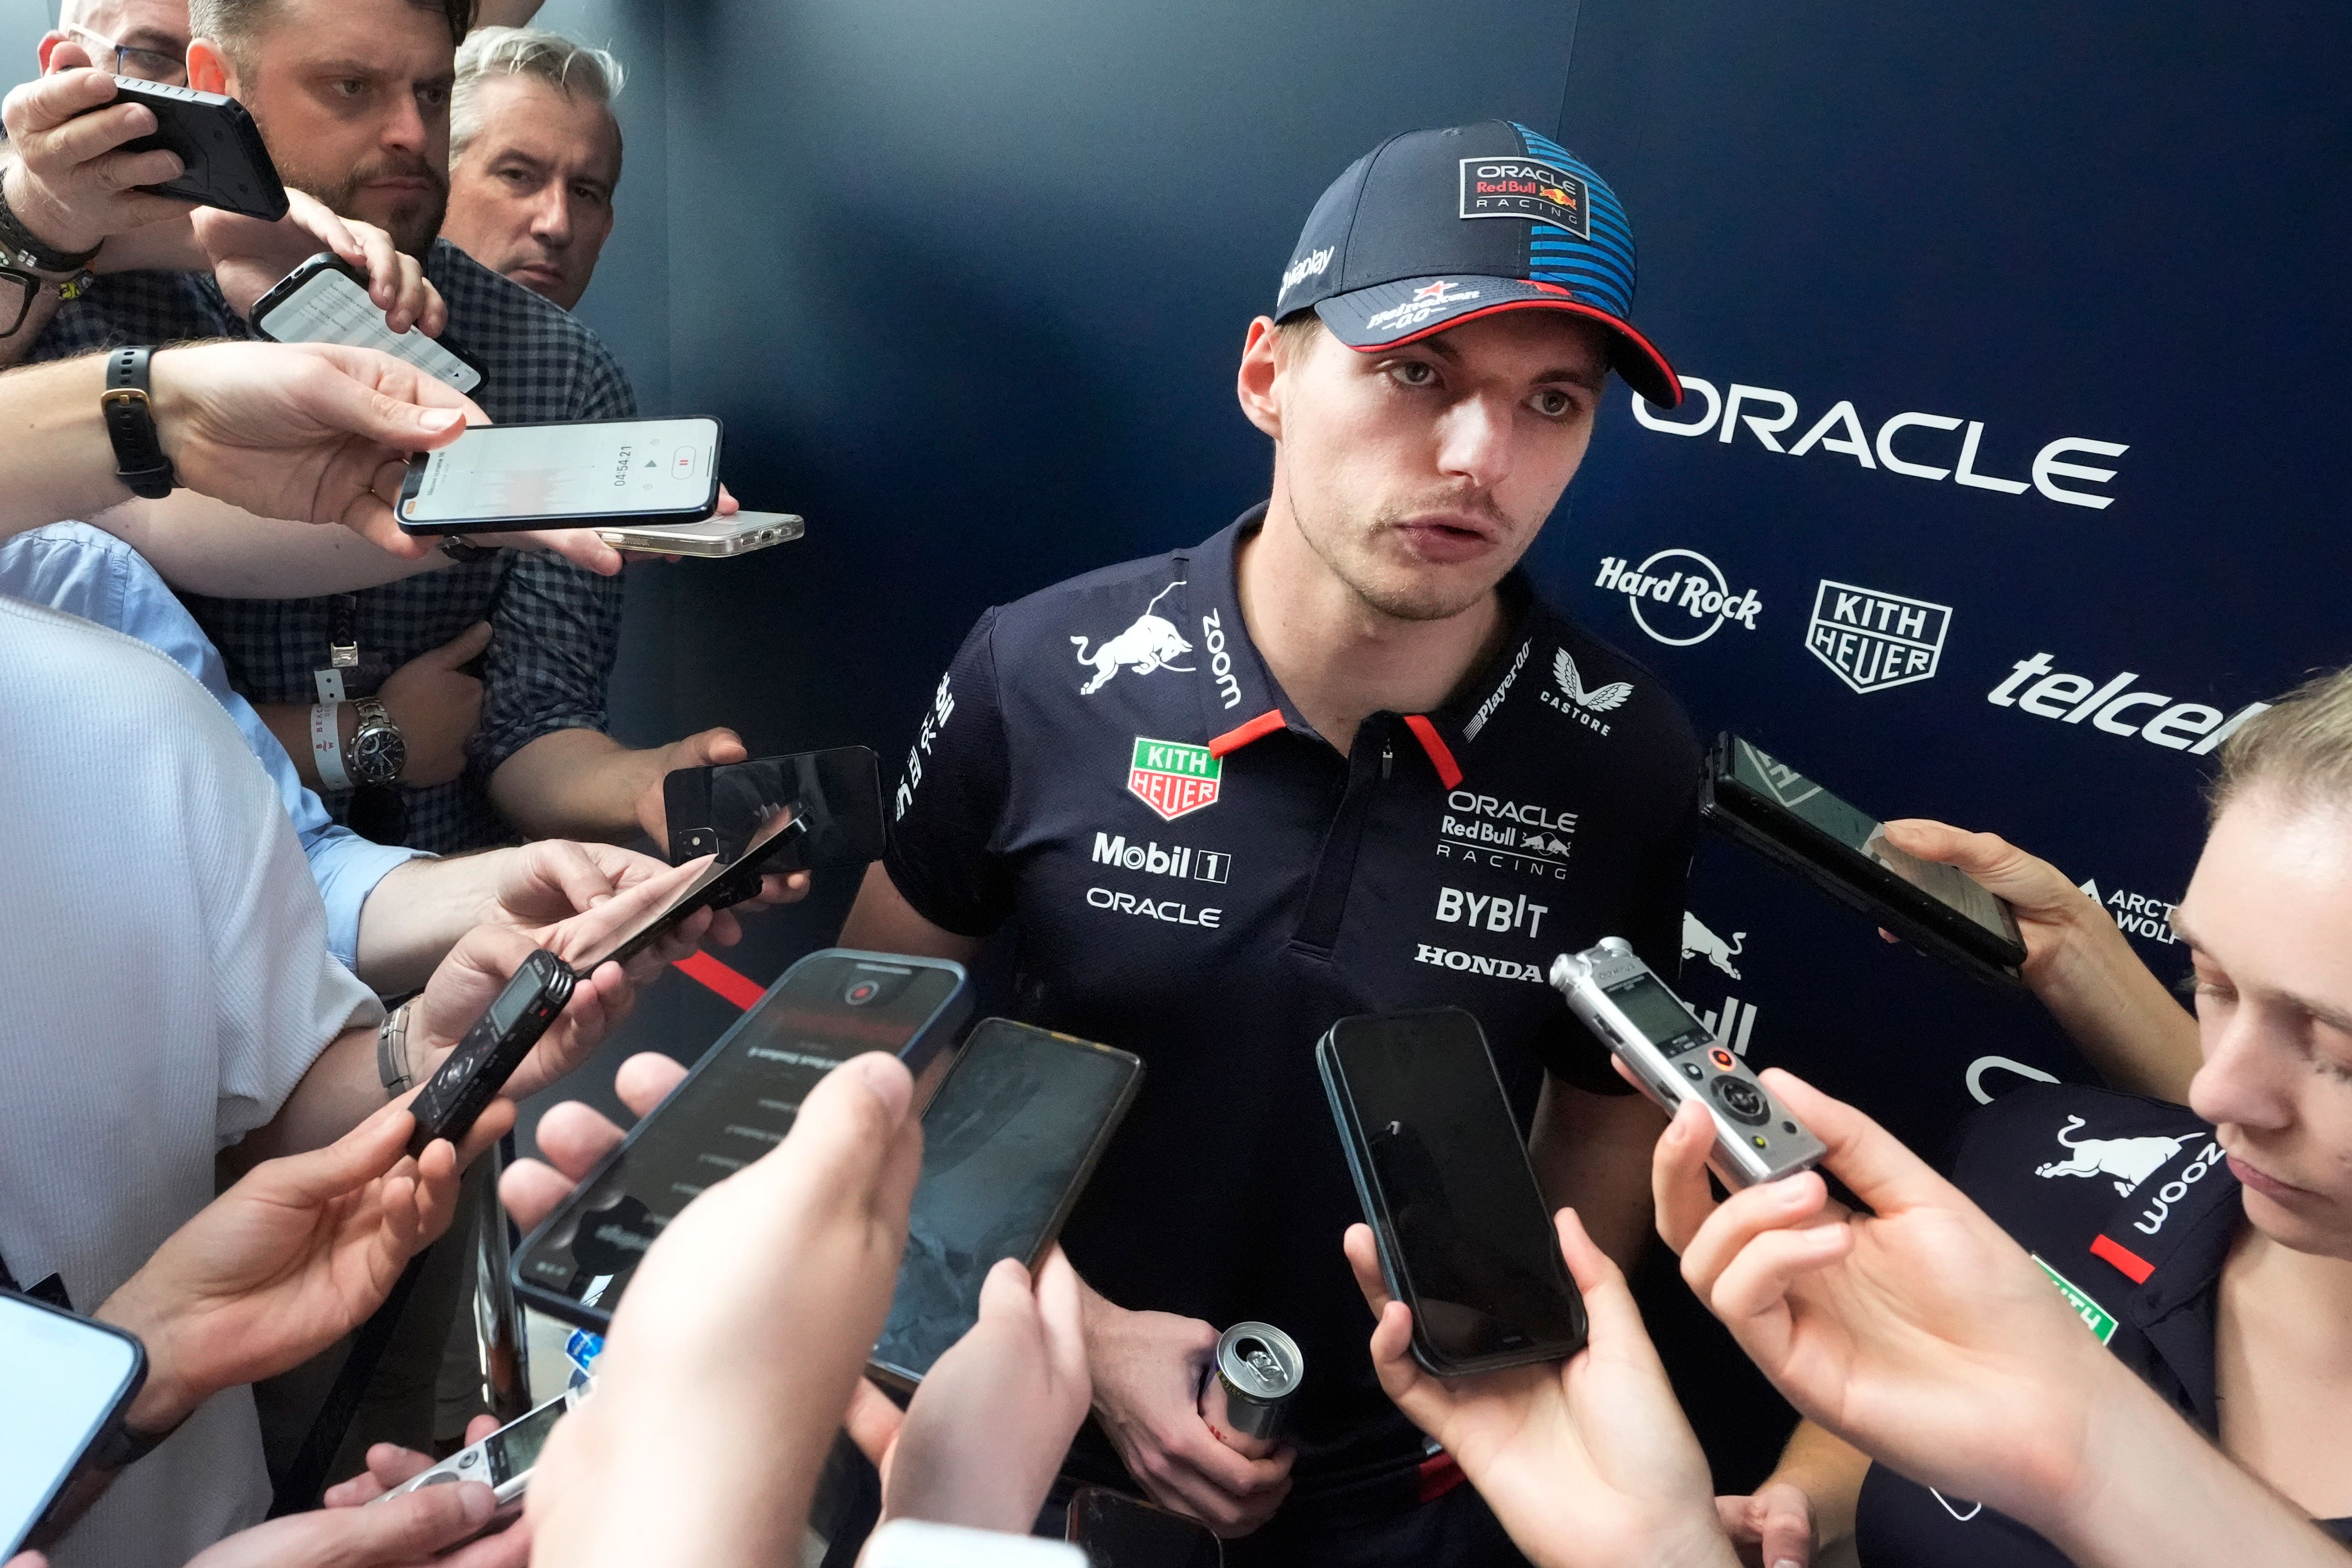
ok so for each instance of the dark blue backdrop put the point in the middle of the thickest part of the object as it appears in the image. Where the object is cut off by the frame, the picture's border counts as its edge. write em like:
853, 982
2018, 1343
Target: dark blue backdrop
967, 282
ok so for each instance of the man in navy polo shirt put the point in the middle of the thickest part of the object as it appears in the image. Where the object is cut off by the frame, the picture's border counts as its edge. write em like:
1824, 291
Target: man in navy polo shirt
1336, 759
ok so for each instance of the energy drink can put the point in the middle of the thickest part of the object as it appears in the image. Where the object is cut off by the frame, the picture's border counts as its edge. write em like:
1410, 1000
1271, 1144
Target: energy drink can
1258, 1370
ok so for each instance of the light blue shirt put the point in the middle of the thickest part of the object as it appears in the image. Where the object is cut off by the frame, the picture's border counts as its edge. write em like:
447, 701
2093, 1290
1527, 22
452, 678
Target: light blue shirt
88, 573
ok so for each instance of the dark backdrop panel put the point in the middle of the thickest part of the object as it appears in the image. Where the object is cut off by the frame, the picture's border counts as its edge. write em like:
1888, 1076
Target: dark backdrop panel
967, 284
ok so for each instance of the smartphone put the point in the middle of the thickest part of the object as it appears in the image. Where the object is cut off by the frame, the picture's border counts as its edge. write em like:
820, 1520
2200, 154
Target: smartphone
325, 300
735, 1106
1465, 1237
224, 163
738, 533
1116, 1531
1675, 1058
720, 883
471, 1075
65, 1382
918, 1543
502, 1461
1009, 1142
1769, 807
574, 474
837, 793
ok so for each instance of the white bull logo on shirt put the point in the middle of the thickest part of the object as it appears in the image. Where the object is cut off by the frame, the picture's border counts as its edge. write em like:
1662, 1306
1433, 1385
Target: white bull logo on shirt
1151, 642
2130, 1161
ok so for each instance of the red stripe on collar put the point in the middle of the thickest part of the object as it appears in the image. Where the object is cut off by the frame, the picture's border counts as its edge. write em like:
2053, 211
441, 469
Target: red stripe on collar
2134, 1267
1449, 772
1233, 739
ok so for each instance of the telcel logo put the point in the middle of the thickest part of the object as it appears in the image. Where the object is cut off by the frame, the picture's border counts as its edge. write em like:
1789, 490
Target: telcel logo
1840, 430
2194, 728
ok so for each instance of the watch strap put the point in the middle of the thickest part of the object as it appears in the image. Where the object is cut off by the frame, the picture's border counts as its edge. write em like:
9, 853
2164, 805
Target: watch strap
462, 551
139, 460
327, 745
30, 251
391, 1051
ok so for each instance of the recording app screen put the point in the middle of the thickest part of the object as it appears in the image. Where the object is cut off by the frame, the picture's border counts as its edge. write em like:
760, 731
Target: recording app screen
58, 1378
734, 1109
1003, 1141
1476, 1248
1803, 798
331, 309
608, 468
515, 1451
1653, 1010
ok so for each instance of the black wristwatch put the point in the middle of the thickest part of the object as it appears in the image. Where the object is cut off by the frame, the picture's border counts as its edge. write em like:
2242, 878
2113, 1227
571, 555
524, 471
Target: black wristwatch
20, 247
139, 460
378, 751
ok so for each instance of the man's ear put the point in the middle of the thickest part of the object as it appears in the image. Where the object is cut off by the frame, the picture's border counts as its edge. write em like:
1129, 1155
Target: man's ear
1255, 383
208, 69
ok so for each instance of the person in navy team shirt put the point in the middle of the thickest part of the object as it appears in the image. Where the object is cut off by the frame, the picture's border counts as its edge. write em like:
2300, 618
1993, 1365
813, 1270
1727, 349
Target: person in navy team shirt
1336, 759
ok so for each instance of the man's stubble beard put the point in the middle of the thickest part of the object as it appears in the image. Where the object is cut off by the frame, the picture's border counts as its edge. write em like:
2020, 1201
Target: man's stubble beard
413, 234
1418, 599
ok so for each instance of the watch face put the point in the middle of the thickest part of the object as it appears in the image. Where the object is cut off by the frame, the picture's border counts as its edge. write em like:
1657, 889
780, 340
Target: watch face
378, 754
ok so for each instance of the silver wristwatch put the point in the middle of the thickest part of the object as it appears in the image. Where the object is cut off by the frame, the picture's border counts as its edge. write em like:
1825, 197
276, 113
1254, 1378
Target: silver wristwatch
378, 752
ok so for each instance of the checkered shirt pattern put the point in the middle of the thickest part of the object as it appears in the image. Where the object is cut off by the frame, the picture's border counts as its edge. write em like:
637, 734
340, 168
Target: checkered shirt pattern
555, 627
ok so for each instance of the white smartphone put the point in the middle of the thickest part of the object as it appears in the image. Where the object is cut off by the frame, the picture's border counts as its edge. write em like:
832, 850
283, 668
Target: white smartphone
916, 1543
571, 474
64, 1380
738, 533
325, 300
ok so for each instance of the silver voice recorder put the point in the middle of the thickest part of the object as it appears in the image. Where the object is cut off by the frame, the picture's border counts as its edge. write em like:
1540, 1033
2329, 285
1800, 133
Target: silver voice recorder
1675, 1058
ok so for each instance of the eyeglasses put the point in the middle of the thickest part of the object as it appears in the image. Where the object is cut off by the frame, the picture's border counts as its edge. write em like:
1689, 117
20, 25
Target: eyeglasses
129, 60
16, 291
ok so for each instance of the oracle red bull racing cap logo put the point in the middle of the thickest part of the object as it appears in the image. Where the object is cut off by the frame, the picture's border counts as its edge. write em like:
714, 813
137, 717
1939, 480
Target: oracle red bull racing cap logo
1173, 777
1524, 188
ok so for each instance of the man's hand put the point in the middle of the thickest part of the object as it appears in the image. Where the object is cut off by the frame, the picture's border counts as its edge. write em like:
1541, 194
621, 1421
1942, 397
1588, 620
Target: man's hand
249, 255
286, 1261
69, 182
390, 1465
1147, 1368
2051, 911
1773, 1528
986, 1432
1918, 1332
711, 745
574, 1136
1587, 1462
313, 431
479, 967
409, 1531
731, 1359
437, 706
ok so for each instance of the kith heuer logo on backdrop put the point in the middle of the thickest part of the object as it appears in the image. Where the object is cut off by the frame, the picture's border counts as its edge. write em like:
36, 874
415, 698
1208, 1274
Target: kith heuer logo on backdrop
2118, 707
1873, 639
1173, 777
1679, 579
1180, 861
1513, 835
1926, 450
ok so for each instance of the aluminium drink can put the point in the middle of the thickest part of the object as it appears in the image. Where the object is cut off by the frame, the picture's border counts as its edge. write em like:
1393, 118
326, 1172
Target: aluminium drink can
1258, 1370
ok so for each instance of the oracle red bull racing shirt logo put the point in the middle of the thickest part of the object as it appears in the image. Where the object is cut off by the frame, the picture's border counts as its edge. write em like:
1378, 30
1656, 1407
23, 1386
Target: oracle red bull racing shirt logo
1173, 777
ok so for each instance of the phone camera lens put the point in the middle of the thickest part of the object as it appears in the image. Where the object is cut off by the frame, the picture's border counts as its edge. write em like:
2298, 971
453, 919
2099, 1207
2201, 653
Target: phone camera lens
861, 992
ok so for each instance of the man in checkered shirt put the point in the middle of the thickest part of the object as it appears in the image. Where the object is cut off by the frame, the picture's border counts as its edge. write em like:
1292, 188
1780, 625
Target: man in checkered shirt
539, 761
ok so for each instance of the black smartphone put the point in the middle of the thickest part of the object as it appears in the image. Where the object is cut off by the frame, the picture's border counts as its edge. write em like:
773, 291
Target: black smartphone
1765, 805
719, 885
720, 807
1116, 1530
325, 300
738, 1103
65, 1382
570, 474
1465, 1237
1009, 1142
225, 163
471, 1075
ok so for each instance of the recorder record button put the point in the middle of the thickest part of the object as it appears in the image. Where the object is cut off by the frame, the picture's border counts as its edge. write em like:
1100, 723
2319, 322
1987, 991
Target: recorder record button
1721, 1058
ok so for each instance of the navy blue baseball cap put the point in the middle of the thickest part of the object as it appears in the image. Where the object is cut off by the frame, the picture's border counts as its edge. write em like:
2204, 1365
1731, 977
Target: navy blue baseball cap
1433, 228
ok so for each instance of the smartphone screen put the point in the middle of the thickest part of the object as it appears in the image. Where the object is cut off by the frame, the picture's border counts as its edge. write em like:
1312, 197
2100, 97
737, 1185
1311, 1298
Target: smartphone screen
1809, 803
329, 306
1008, 1144
1473, 1246
523, 473
838, 793
734, 1107
61, 1378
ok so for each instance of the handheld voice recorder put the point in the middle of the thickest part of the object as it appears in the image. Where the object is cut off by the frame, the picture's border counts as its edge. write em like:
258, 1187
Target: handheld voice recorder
1675, 1058
502, 1461
472, 1075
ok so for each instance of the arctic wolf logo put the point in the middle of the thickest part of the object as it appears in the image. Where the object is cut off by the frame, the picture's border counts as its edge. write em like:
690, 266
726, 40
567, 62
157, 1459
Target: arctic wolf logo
2130, 1161
1152, 643
1699, 941
1595, 699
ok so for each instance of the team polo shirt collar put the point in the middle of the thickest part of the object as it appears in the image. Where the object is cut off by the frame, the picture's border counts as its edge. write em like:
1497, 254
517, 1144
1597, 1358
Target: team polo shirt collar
1213, 583
2171, 1236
